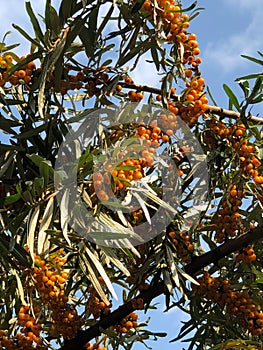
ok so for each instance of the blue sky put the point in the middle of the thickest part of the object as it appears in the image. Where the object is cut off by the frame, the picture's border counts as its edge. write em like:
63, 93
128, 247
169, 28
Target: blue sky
225, 30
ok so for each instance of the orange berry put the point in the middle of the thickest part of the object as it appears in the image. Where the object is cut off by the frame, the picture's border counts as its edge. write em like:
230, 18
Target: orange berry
20, 74
118, 88
102, 195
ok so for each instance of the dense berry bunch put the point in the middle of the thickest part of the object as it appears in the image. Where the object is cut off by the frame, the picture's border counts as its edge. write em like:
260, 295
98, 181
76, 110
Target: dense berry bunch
238, 303
21, 76
246, 254
175, 23
28, 332
96, 306
127, 323
228, 219
95, 346
49, 280
183, 244
138, 304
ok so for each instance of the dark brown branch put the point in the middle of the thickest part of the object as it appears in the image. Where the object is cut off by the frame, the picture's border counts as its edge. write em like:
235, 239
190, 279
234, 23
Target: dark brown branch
231, 246
192, 268
225, 113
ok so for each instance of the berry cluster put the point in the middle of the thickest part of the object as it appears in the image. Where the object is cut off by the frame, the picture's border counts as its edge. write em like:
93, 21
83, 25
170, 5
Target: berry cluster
138, 304
95, 305
238, 303
228, 219
96, 346
175, 23
246, 254
245, 153
49, 281
20, 76
183, 244
127, 323
28, 333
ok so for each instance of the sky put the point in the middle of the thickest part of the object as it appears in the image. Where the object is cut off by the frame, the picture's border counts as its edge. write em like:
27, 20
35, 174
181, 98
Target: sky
225, 29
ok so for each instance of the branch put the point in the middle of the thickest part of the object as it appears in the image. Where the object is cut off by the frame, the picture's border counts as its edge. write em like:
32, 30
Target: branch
225, 113
192, 268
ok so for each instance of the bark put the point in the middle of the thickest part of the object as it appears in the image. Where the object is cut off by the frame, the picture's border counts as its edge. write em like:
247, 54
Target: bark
196, 265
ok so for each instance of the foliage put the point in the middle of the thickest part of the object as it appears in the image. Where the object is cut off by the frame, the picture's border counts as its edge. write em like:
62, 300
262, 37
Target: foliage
57, 285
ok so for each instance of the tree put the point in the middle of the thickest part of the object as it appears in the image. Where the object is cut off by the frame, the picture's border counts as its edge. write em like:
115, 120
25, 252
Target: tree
108, 184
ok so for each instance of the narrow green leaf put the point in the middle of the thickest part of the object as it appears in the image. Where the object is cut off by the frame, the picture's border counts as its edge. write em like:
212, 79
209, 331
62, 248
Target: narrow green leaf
12, 199
27, 36
250, 76
256, 89
233, 101
137, 6
211, 96
253, 59
35, 23
52, 19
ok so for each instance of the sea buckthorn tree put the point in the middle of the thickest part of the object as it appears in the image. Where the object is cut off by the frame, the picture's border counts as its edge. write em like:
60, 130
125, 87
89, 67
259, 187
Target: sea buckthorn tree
58, 286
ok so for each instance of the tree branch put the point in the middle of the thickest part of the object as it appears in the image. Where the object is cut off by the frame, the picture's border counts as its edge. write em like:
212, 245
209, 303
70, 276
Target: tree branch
192, 268
225, 113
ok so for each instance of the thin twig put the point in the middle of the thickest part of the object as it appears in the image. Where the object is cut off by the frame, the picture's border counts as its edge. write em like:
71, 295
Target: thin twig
225, 113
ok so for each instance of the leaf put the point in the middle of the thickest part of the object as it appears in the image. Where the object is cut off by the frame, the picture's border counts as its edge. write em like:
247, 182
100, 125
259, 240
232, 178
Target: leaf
52, 19
64, 215
35, 23
27, 36
19, 286
250, 76
253, 59
12, 199
88, 270
31, 132
233, 101
211, 96
31, 229
140, 49
101, 271
143, 206
256, 89
46, 220
113, 258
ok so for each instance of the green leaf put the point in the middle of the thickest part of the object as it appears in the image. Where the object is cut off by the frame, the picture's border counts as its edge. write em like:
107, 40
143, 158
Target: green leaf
52, 19
67, 9
250, 76
211, 96
35, 23
23, 62
137, 50
27, 36
256, 89
233, 101
12, 199
253, 59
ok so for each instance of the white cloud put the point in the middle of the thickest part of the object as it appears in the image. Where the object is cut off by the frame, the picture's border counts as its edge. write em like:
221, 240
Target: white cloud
244, 4
225, 52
